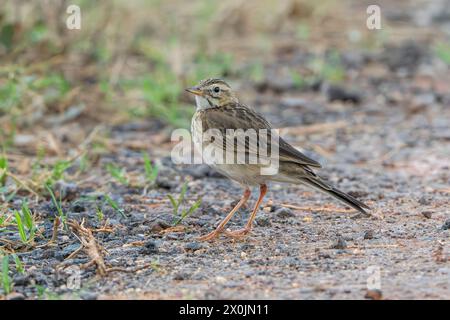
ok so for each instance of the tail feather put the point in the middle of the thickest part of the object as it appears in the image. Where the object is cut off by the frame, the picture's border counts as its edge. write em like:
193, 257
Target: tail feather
343, 197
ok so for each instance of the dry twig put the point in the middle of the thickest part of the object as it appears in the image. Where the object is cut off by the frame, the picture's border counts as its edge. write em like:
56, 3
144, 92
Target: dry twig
322, 209
90, 246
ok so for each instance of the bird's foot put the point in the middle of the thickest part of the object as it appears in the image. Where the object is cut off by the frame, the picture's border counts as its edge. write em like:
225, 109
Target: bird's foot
238, 234
210, 236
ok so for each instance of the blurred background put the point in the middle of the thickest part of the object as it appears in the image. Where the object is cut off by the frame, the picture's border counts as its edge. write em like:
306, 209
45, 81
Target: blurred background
132, 59
88, 113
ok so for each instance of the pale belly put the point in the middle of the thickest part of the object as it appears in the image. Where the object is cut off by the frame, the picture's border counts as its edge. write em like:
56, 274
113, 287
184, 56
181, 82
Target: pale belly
246, 174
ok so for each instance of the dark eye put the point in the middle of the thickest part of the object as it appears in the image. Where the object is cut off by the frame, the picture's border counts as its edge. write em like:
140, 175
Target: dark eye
216, 89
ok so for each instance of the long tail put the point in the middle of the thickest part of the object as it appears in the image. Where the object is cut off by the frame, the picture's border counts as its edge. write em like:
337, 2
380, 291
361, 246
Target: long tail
320, 185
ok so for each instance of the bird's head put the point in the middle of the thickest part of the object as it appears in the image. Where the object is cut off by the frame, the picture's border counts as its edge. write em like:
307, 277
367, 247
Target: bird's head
211, 93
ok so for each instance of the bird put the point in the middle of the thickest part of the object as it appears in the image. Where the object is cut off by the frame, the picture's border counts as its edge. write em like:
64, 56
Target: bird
219, 110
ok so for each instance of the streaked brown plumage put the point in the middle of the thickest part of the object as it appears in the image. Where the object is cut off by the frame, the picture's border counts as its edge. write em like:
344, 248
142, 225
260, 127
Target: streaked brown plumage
218, 108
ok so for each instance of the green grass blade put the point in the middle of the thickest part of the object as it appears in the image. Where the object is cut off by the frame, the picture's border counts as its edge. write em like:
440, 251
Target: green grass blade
174, 203
3, 169
19, 265
27, 217
151, 172
117, 173
115, 206
182, 193
188, 212
57, 204
194, 207
22, 233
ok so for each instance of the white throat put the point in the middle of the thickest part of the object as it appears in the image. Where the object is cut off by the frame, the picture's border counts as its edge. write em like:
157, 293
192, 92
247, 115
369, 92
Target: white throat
202, 103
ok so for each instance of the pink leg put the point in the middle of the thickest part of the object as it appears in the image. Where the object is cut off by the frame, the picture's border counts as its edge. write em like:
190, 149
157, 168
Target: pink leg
214, 234
248, 227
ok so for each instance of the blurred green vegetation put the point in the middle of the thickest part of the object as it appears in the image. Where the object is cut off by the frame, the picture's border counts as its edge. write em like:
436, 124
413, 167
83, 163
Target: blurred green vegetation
442, 50
132, 60
44, 62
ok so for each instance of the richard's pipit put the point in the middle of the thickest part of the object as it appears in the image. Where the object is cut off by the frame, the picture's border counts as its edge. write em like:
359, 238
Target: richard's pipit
218, 109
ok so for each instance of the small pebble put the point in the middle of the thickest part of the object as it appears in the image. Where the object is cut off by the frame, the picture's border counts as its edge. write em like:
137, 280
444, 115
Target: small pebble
15, 296
151, 247
284, 213
427, 214
424, 201
273, 207
446, 225
368, 234
22, 280
89, 296
180, 276
158, 226
374, 294
66, 191
339, 244
263, 221
78, 207
324, 255
174, 236
193, 246
338, 93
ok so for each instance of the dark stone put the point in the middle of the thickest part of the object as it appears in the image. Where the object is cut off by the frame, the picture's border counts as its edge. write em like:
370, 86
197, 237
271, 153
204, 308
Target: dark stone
21, 280
407, 56
165, 182
247, 246
158, 225
47, 254
150, 247
338, 93
374, 294
324, 255
274, 208
65, 191
78, 207
427, 214
424, 200
263, 221
175, 236
284, 213
339, 243
181, 276
15, 296
368, 234
89, 296
141, 229
194, 246
446, 225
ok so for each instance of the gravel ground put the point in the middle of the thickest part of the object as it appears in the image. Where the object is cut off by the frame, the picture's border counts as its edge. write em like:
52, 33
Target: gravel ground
393, 155
383, 136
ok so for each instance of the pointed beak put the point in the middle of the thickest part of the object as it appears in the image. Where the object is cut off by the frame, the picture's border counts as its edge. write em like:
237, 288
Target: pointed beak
195, 90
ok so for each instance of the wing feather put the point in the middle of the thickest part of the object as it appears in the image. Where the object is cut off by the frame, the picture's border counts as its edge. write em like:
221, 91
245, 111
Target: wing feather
237, 116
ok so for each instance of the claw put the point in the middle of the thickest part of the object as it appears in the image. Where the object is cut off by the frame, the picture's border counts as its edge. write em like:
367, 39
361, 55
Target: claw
210, 236
238, 234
